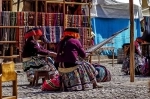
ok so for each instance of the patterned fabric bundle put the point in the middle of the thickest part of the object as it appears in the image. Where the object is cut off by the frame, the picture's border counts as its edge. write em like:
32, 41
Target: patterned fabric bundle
103, 73
52, 84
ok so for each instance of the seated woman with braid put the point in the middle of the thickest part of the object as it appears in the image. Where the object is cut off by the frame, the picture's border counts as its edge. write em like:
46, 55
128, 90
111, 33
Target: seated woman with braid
75, 74
31, 60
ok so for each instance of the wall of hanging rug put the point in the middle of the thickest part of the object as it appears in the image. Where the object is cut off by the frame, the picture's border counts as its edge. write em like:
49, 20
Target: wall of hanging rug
8, 18
28, 19
53, 34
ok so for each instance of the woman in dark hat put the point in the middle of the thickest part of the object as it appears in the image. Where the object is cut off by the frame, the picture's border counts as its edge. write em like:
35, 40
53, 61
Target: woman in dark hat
31, 50
75, 74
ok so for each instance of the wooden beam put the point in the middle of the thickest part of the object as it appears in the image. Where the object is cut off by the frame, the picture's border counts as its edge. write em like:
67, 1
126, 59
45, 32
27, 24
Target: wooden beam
13, 56
132, 63
18, 5
2, 42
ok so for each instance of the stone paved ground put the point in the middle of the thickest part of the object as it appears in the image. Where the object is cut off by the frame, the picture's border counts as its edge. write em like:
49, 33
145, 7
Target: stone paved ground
118, 88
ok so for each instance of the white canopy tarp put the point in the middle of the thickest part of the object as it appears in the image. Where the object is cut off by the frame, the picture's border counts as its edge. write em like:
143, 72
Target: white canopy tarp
115, 8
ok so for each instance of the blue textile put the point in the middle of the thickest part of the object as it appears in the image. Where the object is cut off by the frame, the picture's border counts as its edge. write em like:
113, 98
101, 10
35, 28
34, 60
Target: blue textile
105, 27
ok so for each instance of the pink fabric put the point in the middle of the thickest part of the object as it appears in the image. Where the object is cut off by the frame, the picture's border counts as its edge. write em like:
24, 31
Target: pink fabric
52, 84
137, 46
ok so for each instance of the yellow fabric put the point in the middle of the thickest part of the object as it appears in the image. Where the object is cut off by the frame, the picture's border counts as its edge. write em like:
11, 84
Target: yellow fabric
67, 70
26, 59
8, 71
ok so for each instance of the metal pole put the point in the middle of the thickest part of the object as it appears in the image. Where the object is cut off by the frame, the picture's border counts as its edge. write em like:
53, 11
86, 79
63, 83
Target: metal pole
132, 70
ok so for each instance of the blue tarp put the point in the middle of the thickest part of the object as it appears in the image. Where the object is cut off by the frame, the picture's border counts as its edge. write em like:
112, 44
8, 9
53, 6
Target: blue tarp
105, 27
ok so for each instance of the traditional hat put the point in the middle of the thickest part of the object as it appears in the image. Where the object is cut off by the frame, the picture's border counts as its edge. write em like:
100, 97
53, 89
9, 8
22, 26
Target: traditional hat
32, 32
73, 32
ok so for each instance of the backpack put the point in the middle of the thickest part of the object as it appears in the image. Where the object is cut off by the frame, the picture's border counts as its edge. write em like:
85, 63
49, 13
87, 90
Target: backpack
103, 73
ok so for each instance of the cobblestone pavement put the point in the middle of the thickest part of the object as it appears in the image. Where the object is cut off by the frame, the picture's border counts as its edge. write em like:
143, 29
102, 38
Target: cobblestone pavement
118, 88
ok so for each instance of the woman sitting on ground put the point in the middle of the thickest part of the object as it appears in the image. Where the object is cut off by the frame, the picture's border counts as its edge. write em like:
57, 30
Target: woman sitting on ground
75, 74
31, 51
138, 58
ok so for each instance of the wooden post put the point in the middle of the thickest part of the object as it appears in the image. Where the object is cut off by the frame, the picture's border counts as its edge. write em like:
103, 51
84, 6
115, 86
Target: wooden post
0, 86
112, 57
36, 13
18, 5
0, 5
11, 51
132, 70
6, 5
45, 7
64, 8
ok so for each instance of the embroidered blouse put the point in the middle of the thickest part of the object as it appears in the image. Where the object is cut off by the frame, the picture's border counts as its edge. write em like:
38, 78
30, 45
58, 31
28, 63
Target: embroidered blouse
33, 48
72, 50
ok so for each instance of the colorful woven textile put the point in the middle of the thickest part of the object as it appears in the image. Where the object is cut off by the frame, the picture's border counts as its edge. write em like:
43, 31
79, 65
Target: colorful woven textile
38, 64
139, 62
52, 34
52, 84
80, 79
77, 21
103, 73
51, 24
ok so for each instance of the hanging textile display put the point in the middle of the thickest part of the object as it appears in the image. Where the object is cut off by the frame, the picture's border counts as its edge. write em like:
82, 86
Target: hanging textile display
84, 36
77, 21
13, 22
53, 19
5, 31
52, 34
51, 23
